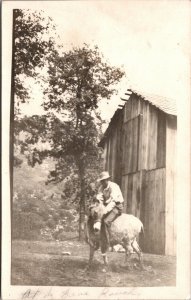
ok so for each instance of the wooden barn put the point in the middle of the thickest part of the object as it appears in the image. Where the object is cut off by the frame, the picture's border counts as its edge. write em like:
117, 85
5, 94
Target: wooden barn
140, 154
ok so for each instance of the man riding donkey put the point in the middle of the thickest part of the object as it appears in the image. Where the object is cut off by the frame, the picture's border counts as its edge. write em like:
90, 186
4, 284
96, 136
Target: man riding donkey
103, 228
110, 195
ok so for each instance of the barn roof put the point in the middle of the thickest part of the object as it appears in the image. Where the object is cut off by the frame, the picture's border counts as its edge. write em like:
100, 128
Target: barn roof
163, 103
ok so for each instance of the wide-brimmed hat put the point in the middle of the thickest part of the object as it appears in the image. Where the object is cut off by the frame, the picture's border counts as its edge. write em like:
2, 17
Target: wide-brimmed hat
104, 175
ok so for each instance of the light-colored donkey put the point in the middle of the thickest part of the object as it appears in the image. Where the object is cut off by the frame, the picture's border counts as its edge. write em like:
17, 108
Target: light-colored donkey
124, 231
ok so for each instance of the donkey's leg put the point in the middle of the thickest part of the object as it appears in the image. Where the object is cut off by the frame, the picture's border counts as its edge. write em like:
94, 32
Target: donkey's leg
105, 259
137, 249
91, 255
127, 246
127, 255
128, 250
104, 248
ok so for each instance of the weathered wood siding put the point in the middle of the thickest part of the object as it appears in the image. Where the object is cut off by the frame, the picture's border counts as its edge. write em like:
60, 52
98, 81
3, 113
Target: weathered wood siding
144, 193
130, 146
153, 211
140, 157
131, 188
144, 142
113, 149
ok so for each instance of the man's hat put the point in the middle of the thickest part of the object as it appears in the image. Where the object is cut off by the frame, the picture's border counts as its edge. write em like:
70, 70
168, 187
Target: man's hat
104, 175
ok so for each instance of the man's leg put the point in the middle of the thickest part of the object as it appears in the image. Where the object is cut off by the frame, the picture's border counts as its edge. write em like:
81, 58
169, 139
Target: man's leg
108, 219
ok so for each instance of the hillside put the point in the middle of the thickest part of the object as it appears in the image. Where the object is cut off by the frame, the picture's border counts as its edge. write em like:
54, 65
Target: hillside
40, 210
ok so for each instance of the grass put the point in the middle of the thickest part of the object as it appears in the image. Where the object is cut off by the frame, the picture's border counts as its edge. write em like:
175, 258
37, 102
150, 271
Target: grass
42, 263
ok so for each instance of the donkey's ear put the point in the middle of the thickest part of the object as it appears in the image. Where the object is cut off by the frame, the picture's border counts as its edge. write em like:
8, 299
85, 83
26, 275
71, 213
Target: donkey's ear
96, 201
91, 206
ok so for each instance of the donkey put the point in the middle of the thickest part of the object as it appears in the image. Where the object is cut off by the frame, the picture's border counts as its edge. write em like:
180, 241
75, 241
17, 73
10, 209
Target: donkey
124, 231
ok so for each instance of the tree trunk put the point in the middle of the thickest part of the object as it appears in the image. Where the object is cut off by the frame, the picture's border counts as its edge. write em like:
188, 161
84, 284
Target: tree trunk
82, 201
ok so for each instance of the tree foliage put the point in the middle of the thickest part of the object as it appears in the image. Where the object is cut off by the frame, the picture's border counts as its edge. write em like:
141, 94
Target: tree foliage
77, 80
33, 42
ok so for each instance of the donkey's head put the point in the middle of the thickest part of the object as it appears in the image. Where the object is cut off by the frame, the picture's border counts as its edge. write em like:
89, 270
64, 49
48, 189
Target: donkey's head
96, 213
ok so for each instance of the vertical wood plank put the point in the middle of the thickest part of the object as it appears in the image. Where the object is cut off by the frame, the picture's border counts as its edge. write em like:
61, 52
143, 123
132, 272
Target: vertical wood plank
113, 151
142, 204
170, 185
123, 149
133, 106
151, 210
129, 147
133, 202
104, 156
124, 190
129, 194
119, 153
161, 140
138, 192
153, 189
128, 111
146, 217
125, 112
140, 106
136, 144
133, 146
140, 163
107, 156
157, 237
152, 141
145, 129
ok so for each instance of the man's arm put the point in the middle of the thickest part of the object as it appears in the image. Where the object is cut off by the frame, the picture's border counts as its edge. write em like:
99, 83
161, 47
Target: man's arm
109, 207
99, 197
116, 194
116, 197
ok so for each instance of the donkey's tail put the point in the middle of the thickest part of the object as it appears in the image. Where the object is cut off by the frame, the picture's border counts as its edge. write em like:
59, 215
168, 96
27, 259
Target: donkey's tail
142, 230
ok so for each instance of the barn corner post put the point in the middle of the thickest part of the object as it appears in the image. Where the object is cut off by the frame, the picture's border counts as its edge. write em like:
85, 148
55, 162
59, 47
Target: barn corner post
170, 205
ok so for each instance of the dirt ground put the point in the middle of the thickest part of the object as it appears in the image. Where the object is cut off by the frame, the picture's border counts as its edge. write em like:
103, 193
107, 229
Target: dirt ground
43, 263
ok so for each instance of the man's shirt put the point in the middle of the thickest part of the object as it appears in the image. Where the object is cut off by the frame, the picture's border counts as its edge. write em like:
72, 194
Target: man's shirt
111, 196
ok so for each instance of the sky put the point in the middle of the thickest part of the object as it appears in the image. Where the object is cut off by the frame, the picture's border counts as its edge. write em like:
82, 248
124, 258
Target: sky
150, 39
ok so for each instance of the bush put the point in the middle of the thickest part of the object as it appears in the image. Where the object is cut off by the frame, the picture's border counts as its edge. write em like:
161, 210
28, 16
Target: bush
65, 205
40, 213
51, 223
44, 214
67, 214
56, 216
